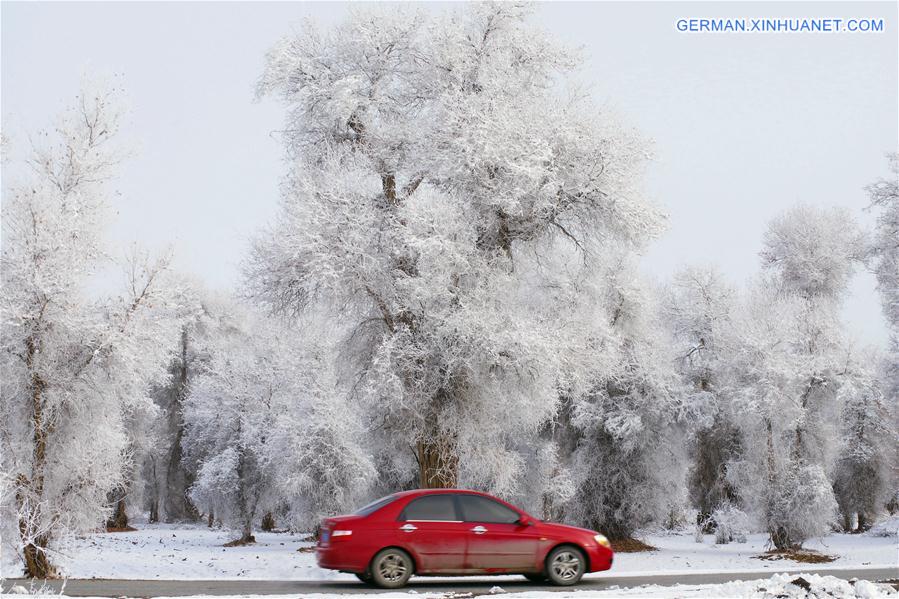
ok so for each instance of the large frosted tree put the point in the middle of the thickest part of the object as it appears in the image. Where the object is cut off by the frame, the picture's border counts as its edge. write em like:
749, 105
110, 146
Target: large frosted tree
628, 465
264, 429
699, 310
74, 367
884, 196
791, 371
862, 477
444, 196
166, 475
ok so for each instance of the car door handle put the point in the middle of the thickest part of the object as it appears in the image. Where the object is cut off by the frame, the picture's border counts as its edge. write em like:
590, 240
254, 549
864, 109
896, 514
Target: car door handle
408, 527
478, 530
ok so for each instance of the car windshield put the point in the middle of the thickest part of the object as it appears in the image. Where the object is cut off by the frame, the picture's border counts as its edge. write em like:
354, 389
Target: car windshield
374, 505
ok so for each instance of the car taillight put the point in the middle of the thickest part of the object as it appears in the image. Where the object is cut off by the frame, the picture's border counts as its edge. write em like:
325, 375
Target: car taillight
341, 533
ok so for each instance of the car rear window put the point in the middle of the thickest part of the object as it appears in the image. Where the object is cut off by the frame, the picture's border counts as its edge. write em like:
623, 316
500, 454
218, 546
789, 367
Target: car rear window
374, 506
431, 507
481, 509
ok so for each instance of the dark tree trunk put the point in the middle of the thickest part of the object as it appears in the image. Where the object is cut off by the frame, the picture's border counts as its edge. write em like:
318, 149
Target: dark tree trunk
268, 522
864, 524
37, 564
438, 464
782, 541
847, 522
246, 535
436, 450
178, 479
30, 491
119, 517
210, 519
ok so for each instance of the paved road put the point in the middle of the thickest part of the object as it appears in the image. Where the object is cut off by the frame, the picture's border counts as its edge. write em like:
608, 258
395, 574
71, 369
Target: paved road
171, 588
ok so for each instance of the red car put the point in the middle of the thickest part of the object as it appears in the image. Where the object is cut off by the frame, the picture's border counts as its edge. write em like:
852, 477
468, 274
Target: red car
451, 531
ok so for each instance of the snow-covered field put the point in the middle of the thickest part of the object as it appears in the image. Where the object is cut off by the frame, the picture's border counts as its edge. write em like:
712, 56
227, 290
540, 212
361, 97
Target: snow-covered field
196, 552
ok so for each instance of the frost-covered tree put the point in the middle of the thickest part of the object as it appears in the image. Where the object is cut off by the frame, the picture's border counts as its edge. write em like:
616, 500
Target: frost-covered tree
628, 465
74, 367
791, 369
884, 196
267, 431
166, 475
229, 414
861, 475
437, 171
699, 311
318, 449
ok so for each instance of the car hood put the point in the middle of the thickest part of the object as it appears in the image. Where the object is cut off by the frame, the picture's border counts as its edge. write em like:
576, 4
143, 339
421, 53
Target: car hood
565, 528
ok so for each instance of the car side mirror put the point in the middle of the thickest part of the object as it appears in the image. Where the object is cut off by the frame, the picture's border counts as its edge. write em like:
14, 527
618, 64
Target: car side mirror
525, 521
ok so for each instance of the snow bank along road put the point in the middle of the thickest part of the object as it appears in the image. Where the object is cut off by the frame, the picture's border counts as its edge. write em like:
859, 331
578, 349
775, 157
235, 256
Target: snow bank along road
180, 588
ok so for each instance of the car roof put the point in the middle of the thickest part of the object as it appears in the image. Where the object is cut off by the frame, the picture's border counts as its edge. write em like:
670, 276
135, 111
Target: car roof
423, 492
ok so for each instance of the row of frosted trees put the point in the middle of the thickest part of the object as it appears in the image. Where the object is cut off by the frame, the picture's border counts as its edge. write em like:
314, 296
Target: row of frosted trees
449, 296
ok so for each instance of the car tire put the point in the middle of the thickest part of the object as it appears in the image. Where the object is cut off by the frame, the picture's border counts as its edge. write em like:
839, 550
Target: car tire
391, 568
535, 576
565, 565
364, 576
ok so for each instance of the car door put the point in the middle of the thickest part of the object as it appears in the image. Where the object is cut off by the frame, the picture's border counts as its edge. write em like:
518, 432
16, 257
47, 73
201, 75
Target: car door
431, 529
496, 542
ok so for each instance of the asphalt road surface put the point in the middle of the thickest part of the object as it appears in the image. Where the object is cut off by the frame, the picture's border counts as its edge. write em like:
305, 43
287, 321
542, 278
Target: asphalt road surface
173, 588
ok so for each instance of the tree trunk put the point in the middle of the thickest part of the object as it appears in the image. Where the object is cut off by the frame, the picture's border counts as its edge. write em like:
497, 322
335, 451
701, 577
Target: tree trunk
210, 519
438, 463
119, 518
268, 522
847, 522
436, 450
177, 505
246, 535
779, 536
37, 564
152, 500
30, 492
864, 524
782, 541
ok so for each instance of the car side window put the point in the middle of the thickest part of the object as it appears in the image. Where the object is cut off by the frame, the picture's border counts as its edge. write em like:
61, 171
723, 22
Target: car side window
375, 505
481, 509
431, 507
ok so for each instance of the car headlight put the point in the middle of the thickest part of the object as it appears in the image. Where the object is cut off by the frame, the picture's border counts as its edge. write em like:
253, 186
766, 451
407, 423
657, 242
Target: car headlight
602, 540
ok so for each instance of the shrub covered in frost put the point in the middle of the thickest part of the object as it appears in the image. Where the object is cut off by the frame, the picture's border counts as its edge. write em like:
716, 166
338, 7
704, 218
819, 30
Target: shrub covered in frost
731, 524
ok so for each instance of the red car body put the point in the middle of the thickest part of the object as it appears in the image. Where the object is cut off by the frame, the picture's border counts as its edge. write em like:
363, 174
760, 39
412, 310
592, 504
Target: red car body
483, 535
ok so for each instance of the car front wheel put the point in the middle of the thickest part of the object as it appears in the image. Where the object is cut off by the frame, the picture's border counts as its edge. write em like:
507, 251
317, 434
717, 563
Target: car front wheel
535, 577
565, 565
364, 577
391, 568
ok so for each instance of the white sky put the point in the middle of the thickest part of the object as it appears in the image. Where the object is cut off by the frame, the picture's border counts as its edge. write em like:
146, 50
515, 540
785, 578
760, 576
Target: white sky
744, 124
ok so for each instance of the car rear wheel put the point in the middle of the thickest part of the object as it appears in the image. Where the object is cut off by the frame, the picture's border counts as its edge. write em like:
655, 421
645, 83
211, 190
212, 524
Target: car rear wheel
364, 577
391, 568
565, 565
535, 577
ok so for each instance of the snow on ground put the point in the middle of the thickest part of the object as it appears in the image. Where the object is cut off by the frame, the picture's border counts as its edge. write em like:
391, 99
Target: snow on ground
185, 552
886, 528
679, 552
779, 586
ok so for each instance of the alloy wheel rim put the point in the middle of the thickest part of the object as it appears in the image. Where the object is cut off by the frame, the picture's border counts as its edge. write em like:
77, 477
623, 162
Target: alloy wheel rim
392, 567
566, 565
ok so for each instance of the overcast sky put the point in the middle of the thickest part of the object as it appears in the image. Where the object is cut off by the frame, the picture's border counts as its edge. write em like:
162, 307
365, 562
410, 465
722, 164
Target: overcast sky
744, 124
